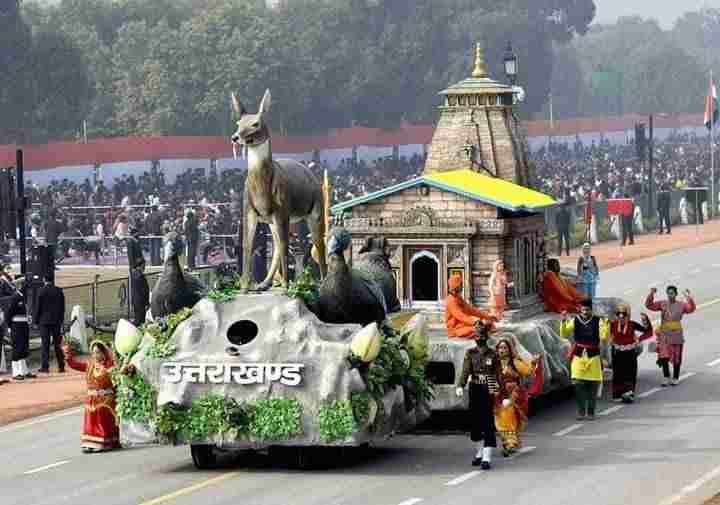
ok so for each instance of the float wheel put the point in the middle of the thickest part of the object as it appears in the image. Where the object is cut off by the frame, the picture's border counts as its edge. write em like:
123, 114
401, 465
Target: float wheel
203, 456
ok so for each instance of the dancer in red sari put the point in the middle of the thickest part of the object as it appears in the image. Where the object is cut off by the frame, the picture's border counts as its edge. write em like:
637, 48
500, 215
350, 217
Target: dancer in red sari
100, 426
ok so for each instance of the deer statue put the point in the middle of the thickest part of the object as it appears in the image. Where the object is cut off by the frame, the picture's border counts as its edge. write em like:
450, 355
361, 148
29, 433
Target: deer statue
277, 192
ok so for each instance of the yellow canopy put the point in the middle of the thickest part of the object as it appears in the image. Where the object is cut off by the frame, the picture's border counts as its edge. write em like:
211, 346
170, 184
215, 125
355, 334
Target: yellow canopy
492, 190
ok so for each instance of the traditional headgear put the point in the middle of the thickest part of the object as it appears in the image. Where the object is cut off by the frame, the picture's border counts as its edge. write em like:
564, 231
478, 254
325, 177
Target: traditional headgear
454, 282
623, 307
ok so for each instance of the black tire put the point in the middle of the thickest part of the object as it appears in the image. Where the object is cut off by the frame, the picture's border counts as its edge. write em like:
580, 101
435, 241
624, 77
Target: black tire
203, 456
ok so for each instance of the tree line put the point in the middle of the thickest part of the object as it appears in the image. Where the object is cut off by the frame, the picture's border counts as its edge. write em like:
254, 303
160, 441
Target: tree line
159, 67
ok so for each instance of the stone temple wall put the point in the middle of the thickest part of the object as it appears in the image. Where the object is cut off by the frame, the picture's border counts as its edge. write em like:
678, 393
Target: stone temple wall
489, 128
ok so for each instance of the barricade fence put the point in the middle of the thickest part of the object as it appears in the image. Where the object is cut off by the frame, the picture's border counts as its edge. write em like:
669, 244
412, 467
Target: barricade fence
106, 302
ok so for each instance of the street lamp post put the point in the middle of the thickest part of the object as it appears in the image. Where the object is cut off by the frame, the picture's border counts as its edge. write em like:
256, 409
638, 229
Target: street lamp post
510, 60
651, 162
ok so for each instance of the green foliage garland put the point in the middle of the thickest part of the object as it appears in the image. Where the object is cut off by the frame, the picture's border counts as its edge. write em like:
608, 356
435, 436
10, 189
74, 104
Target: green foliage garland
336, 421
305, 287
161, 331
360, 403
228, 291
275, 419
213, 414
394, 367
135, 398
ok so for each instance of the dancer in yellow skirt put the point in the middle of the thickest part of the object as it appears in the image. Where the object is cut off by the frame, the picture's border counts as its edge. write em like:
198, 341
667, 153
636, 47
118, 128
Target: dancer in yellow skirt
588, 332
511, 406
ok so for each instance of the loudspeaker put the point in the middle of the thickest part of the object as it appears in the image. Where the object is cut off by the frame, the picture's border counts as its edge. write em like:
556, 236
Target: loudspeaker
41, 263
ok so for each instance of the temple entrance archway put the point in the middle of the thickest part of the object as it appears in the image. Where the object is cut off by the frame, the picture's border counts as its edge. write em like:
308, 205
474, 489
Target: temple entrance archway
424, 278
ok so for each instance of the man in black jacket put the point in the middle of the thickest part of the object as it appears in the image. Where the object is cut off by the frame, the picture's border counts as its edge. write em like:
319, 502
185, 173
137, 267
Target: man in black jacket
191, 231
49, 314
562, 222
663, 204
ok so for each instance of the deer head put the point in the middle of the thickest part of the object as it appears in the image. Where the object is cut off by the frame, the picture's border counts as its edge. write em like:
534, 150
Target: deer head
251, 128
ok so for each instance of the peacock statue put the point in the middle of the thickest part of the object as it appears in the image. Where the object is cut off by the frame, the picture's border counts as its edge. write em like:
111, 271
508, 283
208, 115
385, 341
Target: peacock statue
374, 262
348, 295
174, 289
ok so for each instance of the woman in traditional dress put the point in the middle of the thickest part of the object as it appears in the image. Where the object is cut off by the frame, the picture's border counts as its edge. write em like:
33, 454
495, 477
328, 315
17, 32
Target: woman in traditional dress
497, 286
625, 342
511, 405
588, 272
100, 426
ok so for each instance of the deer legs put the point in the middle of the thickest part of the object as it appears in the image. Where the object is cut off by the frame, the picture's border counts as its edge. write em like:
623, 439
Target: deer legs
248, 243
280, 228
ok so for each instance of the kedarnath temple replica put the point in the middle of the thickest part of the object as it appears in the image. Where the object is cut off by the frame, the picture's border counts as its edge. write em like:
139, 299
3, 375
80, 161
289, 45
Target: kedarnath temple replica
469, 209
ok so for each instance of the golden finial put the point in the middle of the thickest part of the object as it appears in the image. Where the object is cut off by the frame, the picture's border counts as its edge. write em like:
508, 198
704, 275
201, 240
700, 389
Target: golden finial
480, 70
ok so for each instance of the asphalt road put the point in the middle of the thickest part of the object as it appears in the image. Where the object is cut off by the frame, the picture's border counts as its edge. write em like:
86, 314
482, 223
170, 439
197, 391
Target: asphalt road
663, 450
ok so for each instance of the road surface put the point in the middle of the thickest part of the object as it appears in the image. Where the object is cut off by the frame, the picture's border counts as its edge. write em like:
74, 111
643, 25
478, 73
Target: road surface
663, 450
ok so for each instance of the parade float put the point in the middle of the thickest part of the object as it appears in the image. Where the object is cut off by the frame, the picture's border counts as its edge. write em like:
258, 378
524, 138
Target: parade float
361, 353
309, 363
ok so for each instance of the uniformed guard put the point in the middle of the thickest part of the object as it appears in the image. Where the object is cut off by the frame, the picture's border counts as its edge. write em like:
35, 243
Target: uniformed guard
482, 368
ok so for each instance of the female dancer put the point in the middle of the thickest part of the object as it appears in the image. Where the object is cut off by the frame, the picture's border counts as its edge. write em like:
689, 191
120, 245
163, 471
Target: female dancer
625, 342
100, 426
511, 406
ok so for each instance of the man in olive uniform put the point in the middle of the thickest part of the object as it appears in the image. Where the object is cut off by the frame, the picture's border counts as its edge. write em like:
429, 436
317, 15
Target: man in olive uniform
482, 367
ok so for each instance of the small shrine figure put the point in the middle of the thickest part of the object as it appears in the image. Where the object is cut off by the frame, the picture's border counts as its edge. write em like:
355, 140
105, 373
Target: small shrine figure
460, 316
588, 272
482, 368
498, 285
558, 294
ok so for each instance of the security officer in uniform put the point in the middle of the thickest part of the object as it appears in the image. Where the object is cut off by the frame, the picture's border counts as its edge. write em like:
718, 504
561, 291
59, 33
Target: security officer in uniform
482, 367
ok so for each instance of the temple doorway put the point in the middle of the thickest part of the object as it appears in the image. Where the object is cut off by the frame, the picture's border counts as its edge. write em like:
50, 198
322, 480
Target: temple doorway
425, 277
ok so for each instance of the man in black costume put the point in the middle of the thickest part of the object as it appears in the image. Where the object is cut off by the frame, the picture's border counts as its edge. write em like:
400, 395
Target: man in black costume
139, 288
49, 314
482, 367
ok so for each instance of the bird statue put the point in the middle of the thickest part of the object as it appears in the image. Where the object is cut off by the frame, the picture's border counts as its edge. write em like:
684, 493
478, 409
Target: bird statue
174, 289
374, 262
347, 295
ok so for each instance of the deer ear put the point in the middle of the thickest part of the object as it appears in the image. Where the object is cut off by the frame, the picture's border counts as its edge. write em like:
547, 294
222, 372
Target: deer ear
265, 103
236, 105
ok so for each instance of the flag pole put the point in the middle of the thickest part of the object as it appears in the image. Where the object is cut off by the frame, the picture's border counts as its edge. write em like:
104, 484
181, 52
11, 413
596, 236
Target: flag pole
712, 153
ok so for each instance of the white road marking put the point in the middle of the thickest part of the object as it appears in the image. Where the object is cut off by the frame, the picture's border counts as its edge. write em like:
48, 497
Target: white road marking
46, 467
567, 430
43, 419
611, 410
411, 501
691, 488
463, 478
525, 450
716, 265
588, 437
713, 363
695, 271
649, 392
686, 376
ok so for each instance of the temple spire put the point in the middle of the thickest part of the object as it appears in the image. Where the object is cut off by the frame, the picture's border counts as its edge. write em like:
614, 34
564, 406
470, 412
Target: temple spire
480, 70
